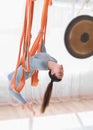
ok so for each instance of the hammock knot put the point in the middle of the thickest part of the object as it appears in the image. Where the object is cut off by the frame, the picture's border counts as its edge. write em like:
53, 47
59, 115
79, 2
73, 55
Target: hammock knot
41, 32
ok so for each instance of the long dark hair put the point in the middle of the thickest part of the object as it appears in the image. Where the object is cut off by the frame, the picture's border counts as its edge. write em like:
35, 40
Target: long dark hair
48, 91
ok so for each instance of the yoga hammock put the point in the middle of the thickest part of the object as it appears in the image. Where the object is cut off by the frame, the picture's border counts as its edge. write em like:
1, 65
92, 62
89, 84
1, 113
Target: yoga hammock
25, 52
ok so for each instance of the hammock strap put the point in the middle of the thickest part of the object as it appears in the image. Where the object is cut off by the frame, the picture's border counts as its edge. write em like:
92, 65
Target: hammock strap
23, 55
38, 41
24, 51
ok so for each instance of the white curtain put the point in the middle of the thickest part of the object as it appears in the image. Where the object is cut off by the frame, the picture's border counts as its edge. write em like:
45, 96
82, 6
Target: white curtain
77, 82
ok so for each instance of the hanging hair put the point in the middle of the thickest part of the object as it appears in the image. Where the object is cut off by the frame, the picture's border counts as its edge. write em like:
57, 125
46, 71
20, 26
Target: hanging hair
48, 91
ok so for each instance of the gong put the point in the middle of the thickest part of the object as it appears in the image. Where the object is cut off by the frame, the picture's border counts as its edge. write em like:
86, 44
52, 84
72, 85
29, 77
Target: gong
79, 36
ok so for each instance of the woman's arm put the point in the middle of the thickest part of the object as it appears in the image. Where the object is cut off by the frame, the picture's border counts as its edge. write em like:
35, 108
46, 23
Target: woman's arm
37, 62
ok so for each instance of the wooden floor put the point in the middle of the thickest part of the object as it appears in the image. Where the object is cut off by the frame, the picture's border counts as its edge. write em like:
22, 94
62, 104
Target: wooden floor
13, 112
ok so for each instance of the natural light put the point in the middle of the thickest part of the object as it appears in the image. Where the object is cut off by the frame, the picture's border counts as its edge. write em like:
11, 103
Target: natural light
72, 121
57, 122
15, 124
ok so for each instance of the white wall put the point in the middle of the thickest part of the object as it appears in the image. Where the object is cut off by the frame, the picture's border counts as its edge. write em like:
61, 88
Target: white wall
60, 14
11, 23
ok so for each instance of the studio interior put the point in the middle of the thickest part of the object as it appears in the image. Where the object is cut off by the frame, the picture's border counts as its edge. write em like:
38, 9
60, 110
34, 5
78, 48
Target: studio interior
65, 28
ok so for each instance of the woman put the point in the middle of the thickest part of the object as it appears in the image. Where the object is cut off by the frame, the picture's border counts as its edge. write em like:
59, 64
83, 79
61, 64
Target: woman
40, 61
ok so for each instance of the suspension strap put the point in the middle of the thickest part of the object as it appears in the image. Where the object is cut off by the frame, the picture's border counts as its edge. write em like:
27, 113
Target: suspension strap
41, 35
24, 51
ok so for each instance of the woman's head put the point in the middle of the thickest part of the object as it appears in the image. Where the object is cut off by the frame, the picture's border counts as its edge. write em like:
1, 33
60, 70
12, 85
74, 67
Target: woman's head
56, 69
48, 91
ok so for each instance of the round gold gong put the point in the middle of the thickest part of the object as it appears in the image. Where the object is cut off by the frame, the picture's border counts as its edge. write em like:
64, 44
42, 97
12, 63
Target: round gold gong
79, 37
